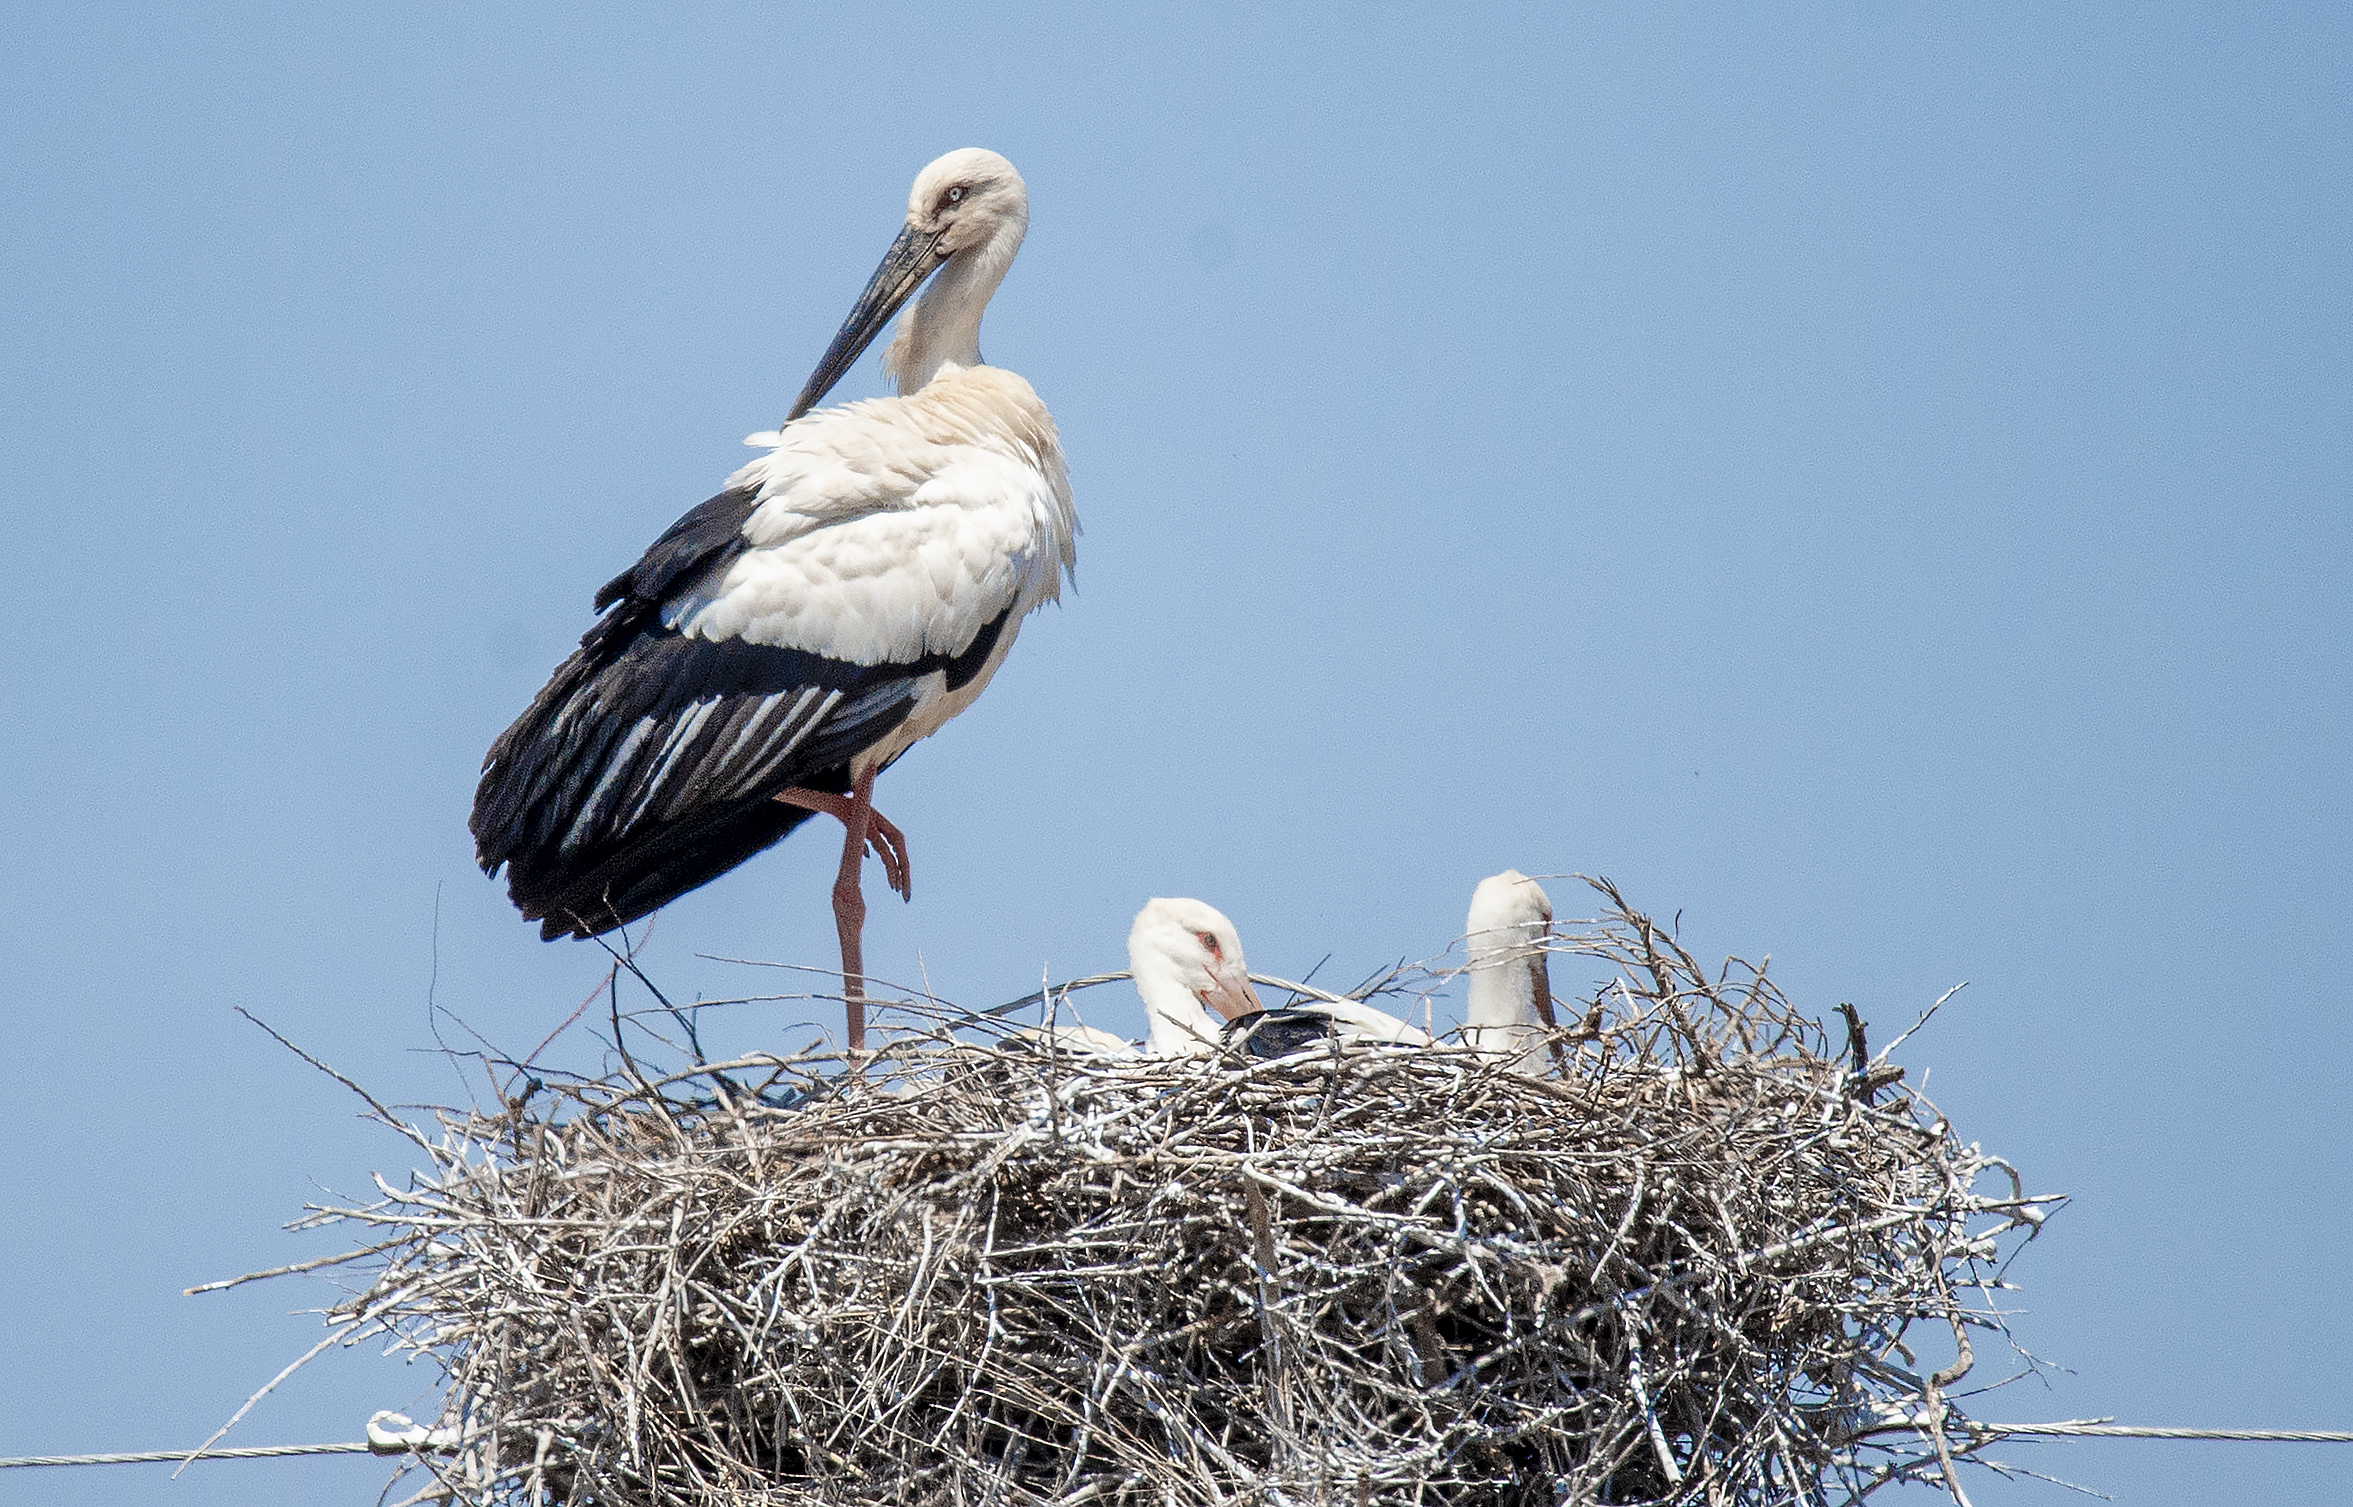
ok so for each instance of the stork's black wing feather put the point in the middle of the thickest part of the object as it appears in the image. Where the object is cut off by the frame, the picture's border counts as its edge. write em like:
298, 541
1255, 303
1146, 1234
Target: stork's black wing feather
711, 534
1270, 1034
649, 764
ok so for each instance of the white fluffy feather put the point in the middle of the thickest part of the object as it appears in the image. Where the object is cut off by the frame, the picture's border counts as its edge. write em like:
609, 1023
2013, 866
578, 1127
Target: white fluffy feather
899, 527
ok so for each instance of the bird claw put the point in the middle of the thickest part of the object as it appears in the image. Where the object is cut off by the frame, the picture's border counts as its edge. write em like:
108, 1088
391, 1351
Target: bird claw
890, 846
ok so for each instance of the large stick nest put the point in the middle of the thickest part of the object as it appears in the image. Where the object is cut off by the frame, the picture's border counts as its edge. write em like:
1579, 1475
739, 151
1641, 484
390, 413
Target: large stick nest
1689, 1267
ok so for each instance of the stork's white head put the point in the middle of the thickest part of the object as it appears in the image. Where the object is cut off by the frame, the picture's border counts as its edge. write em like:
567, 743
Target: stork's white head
1511, 989
977, 209
1508, 911
966, 216
973, 201
1187, 959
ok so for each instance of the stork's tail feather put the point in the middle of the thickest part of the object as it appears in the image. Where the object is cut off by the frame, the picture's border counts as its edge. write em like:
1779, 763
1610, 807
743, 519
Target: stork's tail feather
641, 770
586, 900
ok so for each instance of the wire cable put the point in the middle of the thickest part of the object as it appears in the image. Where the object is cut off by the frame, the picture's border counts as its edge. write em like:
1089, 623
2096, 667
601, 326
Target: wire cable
171, 1456
2092, 1430
2075, 1430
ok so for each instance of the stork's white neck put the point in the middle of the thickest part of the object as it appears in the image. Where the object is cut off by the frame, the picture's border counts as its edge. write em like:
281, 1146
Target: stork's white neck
1180, 1023
1502, 983
1503, 975
943, 329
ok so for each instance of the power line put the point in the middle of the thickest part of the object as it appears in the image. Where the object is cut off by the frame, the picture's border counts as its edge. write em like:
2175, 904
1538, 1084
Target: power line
2072, 1430
2088, 1429
171, 1456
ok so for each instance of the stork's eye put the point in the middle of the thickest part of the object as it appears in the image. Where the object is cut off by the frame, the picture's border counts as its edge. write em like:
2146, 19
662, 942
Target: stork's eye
1208, 939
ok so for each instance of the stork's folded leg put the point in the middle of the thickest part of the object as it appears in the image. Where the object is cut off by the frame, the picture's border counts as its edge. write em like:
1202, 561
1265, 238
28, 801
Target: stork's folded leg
882, 834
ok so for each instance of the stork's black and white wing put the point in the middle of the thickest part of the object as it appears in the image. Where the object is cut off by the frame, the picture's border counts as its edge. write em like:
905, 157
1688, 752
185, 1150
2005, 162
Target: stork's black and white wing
802, 626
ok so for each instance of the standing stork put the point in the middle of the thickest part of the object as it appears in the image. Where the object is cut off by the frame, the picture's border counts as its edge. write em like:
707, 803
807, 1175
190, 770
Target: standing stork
848, 593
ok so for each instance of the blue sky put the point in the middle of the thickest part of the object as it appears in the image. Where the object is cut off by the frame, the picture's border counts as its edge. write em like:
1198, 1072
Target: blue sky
1872, 480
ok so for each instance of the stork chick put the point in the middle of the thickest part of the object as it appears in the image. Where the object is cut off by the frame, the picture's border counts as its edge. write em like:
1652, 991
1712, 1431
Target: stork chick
1510, 1013
1187, 961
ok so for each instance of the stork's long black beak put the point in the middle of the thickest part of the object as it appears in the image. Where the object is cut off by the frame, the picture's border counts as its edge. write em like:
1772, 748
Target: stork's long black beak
912, 258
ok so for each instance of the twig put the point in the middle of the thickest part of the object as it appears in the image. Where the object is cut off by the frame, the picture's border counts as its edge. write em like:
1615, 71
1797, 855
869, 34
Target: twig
267, 1387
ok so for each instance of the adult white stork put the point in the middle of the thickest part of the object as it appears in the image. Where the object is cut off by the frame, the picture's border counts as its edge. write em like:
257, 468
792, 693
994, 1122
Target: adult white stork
1510, 1014
846, 594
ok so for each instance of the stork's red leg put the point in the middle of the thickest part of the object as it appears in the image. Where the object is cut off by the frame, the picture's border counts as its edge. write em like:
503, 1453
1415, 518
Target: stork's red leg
856, 811
849, 909
882, 834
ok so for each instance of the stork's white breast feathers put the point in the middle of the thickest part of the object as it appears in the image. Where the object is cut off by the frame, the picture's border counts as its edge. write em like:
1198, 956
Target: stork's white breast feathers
896, 528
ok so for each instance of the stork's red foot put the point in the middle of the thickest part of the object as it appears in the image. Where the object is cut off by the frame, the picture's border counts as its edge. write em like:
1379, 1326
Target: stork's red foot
882, 834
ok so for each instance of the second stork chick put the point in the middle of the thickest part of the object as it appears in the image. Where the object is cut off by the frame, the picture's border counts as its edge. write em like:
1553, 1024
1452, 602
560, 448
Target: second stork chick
1511, 989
